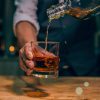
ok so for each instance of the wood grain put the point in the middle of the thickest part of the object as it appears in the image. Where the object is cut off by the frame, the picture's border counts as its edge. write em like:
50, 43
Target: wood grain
64, 88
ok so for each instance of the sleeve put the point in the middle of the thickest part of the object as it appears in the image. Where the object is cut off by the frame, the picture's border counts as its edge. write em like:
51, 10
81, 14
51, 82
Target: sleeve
26, 11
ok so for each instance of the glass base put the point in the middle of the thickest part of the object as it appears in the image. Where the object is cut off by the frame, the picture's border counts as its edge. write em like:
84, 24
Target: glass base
46, 75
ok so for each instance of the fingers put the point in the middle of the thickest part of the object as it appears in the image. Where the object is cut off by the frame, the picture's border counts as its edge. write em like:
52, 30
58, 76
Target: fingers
25, 64
46, 53
37, 52
30, 64
28, 51
27, 55
43, 52
29, 71
24, 67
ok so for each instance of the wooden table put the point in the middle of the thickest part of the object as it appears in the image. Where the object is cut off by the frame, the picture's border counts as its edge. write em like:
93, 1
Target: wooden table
65, 88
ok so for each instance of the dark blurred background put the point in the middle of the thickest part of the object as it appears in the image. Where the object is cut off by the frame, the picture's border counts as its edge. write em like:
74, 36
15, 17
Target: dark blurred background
8, 43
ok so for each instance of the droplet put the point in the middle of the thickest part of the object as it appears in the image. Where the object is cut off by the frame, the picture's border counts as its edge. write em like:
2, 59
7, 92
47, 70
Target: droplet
79, 91
86, 84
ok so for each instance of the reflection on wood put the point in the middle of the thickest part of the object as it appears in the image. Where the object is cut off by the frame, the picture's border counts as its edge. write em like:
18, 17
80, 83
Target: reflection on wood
14, 88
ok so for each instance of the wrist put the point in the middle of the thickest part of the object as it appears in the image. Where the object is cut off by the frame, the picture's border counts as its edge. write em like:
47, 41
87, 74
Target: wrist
25, 33
23, 41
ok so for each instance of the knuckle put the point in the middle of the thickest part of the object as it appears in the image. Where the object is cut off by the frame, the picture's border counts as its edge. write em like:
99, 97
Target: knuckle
27, 45
20, 52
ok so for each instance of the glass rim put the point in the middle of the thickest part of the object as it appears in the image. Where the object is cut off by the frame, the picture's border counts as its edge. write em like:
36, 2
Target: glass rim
51, 42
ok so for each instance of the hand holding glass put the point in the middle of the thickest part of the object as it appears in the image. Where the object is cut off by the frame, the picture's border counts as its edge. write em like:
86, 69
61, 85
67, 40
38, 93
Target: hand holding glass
46, 59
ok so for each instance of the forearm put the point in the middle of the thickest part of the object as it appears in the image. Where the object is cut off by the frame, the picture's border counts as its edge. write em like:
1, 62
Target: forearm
25, 32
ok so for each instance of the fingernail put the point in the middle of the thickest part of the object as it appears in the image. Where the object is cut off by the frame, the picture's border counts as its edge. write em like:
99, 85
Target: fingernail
30, 55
